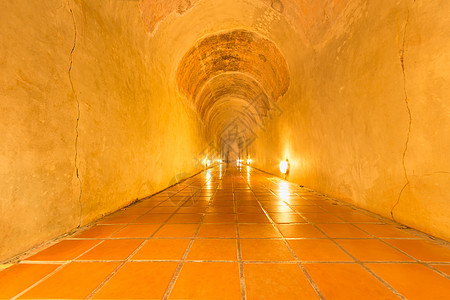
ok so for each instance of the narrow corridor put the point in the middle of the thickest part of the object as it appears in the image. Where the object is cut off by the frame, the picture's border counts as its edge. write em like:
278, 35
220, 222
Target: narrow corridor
236, 233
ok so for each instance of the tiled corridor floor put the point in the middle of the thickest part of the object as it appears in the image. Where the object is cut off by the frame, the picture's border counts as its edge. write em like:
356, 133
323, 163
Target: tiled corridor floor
233, 233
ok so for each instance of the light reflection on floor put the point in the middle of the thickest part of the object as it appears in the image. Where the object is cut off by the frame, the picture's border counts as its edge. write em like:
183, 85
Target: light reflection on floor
233, 232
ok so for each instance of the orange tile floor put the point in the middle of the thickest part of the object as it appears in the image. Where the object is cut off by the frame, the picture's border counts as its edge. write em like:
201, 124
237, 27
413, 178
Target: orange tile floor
236, 233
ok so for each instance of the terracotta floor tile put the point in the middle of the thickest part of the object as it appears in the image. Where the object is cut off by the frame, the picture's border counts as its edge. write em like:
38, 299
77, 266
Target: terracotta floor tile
139, 280
152, 218
174, 201
137, 231
342, 231
265, 250
321, 218
252, 218
99, 231
163, 210
207, 281
19, 277
160, 249
82, 278
312, 197
148, 204
137, 210
318, 250
356, 217
217, 231
213, 250
337, 209
278, 209
299, 231
258, 231
244, 196
385, 231
300, 202
423, 250
192, 210
249, 209
226, 203
286, 218
64, 250
156, 198
219, 218
347, 281
372, 250
308, 208
277, 281
118, 219
227, 197
413, 281
443, 268
112, 250
248, 203
196, 203
185, 218
177, 230
221, 209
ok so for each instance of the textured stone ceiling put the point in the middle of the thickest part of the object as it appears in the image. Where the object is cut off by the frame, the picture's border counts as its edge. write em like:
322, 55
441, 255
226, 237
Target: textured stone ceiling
313, 20
239, 74
233, 78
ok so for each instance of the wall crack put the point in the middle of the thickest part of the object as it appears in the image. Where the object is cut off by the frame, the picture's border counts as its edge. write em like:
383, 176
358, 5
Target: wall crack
78, 111
402, 63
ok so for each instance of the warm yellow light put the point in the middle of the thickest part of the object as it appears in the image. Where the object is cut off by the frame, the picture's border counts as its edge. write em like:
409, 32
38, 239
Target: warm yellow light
249, 161
284, 166
208, 163
219, 161
283, 190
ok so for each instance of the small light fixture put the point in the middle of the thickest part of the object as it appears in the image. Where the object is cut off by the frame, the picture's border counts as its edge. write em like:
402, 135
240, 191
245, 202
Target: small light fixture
249, 161
285, 166
208, 163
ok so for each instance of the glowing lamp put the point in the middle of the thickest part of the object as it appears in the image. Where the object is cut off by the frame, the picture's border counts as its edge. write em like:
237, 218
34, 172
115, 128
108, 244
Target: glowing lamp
208, 163
284, 166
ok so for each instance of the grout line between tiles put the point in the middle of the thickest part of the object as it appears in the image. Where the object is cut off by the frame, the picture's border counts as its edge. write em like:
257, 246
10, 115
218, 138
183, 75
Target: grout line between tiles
90, 296
181, 263
299, 263
239, 251
387, 285
417, 261
55, 271
265, 196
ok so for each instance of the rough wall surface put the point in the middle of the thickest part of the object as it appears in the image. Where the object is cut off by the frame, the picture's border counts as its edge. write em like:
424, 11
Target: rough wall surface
69, 156
368, 120
93, 116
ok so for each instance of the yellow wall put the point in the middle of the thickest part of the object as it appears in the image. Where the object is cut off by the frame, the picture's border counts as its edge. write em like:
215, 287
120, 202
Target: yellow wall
369, 114
135, 132
345, 124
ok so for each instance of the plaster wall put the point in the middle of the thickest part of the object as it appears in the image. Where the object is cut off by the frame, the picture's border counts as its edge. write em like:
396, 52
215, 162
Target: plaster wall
91, 117
367, 118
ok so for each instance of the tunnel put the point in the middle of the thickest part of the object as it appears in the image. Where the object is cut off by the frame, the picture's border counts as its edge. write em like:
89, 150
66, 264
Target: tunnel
224, 149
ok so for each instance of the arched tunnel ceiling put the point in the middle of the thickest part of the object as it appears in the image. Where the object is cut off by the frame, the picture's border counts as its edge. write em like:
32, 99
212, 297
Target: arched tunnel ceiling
314, 21
226, 68
233, 78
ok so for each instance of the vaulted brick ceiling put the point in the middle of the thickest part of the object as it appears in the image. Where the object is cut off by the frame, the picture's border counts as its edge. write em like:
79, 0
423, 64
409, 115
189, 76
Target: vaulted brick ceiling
234, 77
